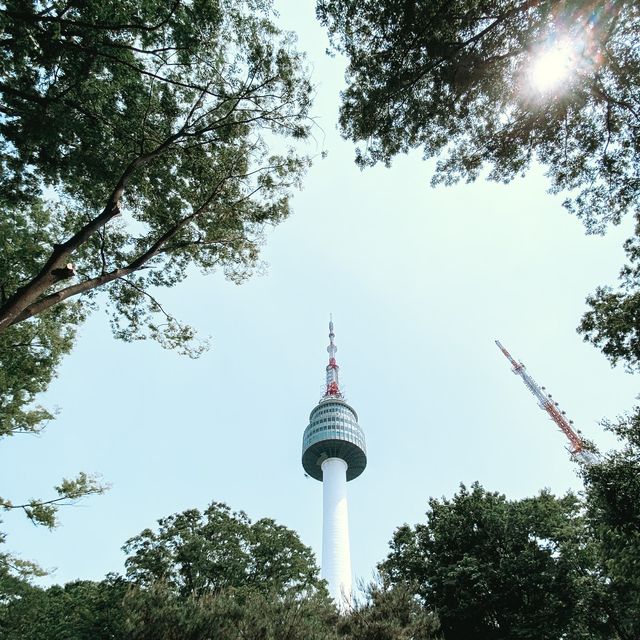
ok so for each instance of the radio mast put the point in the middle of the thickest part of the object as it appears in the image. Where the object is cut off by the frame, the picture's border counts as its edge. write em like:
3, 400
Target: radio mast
546, 402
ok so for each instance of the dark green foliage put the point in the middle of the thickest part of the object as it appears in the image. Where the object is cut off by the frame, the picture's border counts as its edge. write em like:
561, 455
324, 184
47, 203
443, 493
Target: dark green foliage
389, 613
159, 614
194, 554
134, 145
455, 76
202, 576
613, 321
14, 577
481, 567
115, 610
30, 351
498, 569
80, 610
613, 513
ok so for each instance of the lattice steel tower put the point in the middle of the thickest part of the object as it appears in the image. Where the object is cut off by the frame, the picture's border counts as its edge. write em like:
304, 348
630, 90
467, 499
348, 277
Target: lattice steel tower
548, 404
334, 452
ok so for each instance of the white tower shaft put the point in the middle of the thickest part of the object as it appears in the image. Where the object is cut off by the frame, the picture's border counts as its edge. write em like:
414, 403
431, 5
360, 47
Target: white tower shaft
336, 556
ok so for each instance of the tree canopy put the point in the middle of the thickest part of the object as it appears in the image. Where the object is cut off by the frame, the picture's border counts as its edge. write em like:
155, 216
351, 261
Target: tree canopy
613, 515
461, 77
613, 320
480, 566
496, 86
195, 553
137, 140
204, 575
389, 613
498, 569
82, 610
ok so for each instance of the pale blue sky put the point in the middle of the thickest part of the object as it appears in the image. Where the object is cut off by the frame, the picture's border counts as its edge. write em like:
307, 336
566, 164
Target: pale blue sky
420, 283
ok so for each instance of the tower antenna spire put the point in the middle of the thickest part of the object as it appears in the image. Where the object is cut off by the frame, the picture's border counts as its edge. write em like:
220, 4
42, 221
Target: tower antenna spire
332, 385
546, 403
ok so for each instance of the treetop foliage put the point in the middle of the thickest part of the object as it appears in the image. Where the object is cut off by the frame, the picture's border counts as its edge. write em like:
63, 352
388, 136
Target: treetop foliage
456, 77
499, 85
480, 566
148, 122
498, 569
613, 514
200, 576
613, 319
81, 610
389, 613
195, 553
137, 140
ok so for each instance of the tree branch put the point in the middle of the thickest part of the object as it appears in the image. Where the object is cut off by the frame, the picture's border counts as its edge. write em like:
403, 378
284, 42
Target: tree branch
36, 18
26, 296
48, 301
153, 299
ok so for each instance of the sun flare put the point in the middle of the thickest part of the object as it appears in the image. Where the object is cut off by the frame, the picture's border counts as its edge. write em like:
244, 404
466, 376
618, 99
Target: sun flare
552, 67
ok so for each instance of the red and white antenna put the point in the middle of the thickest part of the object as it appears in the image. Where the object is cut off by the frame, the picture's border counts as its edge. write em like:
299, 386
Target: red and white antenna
547, 403
333, 386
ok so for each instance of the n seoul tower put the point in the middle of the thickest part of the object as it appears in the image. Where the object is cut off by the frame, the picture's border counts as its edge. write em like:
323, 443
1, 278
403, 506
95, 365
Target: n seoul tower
334, 452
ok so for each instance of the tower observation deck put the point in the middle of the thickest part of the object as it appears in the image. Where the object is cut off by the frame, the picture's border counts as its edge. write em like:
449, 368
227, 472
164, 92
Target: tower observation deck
334, 452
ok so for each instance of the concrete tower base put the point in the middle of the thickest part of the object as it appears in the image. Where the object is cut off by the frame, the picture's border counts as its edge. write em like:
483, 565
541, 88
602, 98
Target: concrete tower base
336, 556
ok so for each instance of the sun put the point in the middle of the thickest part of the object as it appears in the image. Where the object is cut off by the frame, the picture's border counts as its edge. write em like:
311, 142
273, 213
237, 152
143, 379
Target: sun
552, 67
